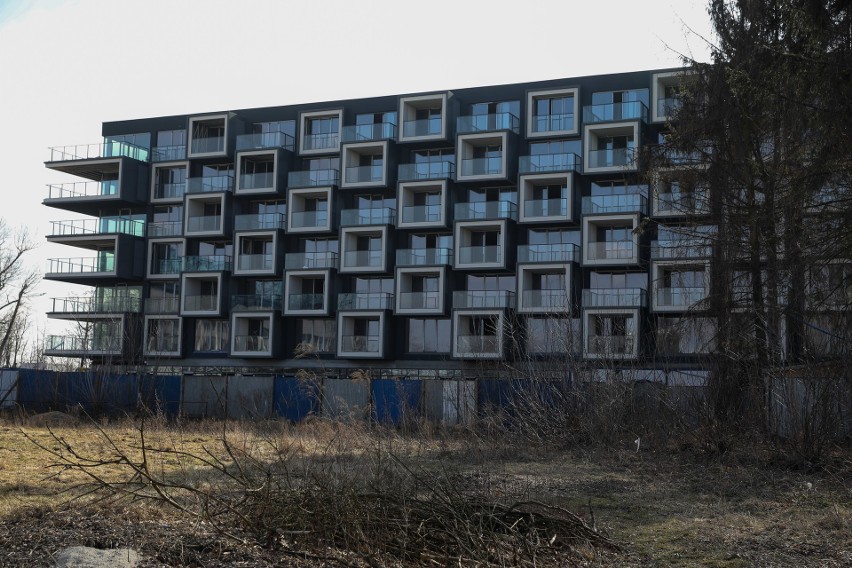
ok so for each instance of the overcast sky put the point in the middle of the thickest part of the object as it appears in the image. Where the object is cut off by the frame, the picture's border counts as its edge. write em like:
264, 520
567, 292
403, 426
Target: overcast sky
66, 66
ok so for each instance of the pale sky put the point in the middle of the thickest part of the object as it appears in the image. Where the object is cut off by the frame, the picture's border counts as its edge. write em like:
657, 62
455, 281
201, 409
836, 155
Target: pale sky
66, 66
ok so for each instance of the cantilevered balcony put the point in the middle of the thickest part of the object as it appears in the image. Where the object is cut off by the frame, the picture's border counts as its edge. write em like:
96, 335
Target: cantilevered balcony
265, 140
377, 216
305, 260
207, 263
259, 221
99, 150
256, 303
210, 184
633, 110
313, 178
483, 299
84, 189
619, 203
89, 270
102, 226
553, 252
615, 298
546, 163
76, 346
424, 257
445, 169
365, 301
483, 210
488, 123
114, 303
369, 132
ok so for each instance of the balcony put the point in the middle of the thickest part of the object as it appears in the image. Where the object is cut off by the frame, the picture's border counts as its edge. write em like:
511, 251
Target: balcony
168, 153
306, 302
313, 178
611, 251
615, 111
102, 226
90, 189
75, 345
259, 221
318, 142
480, 255
365, 301
610, 345
165, 229
432, 301
82, 265
369, 132
416, 214
201, 303
171, 191
363, 259
361, 344
378, 216
544, 208
207, 263
478, 345
620, 203
615, 298
251, 344
426, 171
682, 203
488, 123
204, 224
113, 304
305, 260
208, 145
668, 106
545, 163
260, 141
679, 298
492, 166
427, 127
612, 158
481, 210
167, 266
258, 181
424, 257
557, 252
483, 299
545, 300
677, 250
364, 175
156, 306
557, 122
256, 303
309, 220
96, 151
210, 184
162, 344
255, 262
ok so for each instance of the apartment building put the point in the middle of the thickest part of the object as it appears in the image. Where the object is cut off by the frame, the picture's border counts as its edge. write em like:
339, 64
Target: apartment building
436, 232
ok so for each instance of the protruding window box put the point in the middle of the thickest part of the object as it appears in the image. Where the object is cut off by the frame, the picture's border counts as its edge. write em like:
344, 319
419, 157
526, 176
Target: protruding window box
266, 140
116, 180
483, 299
619, 203
486, 157
545, 288
610, 112
424, 257
309, 211
201, 294
556, 252
209, 136
254, 335
488, 123
611, 147
478, 334
615, 298
257, 254
262, 172
610, 240
377, 216
679, 287
549, 163
665, 99
319, 132
162, 337
481, 244
260, 222
369, 132
364, 249
484, 210
256, 303
362, 335
420, 290
165, 258
424, 117
610, 334
675, 195
309, 260
366, 164
423, 204
437, 170
206, 215
168, 182
313, 178
364, 301
308, 292
552, 112
546, 198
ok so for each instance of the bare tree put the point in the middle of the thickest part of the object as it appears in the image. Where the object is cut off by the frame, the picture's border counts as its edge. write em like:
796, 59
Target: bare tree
17, 286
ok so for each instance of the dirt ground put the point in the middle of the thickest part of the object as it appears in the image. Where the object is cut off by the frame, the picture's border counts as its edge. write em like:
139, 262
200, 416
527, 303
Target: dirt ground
665, 508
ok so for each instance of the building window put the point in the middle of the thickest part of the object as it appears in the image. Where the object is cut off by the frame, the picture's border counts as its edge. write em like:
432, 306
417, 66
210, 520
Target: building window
212, 336
317, 335
429, 335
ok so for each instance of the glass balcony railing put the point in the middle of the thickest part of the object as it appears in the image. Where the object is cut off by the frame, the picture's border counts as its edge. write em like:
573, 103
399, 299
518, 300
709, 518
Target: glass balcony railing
555, 252
165, 229
309, 219
167, 266
680, 297
74, 344
255, 262
610, 345
82, 265
611, 250
556, 300
422, 213
210, 184
368, 132
492, 166
83, 189
113, 304
274, 139
162, 305
486, 210
615, 298
365, 301
556, 208
480, 255
543, 163
612, 158
100, 150
263, 180
306, 260
478, 344
163, 343
615, 111
204, 224
363, 259
420, 300
207, 263
621, 203
682, 204
488, 123
306, 302
324, 141
201, 303
208, 145
426, 170
313, 178
483, 299
383, 216
364, 174
170, 190
553, 122
360, 343
102, 226
256, 302
424, 257
661, 250
253, 221
425, 127
251, 343
168, 153
668, 106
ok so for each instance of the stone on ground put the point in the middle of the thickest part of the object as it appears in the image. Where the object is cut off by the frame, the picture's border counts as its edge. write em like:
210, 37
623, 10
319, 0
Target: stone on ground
86, 557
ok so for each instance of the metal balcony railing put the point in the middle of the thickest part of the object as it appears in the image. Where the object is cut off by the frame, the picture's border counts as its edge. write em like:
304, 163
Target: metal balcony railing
105, 188
102, 226
615, 111
426, 171
81, 265
168, 153
543, 163
210, 184
488, 123
99, 150
619, 203
615, 298
162, 305
207, 263
165, 228
553, 122
557, 252
368, 132
313, 178
483, 299
424, 257
113, 304
378, 216
365, 301
272, 139
486, 210
308, 260
324, 141
252, 221
256, 302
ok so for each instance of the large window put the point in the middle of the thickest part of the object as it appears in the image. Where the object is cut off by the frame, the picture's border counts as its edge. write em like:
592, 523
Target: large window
428, 335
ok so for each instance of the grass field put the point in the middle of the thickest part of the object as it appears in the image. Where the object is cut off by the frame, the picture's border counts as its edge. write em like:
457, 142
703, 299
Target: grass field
662, 507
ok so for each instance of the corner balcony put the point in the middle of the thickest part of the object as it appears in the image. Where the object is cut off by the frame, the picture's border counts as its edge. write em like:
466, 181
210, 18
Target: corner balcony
483, 299
620, 203
378, 216
488, 123
306, 260
207, 263
90, 197
424, 257
483, 210
313, 178
168, 153
164, 229
557, 252
546, 163
98, 151
365, 301
75, 346
83, 306
256, 303
265, 140
210, 184
369, 132
102, 226
679, 298
260, 221
82, 270
615, 298
426, 171
679, 250
634, 110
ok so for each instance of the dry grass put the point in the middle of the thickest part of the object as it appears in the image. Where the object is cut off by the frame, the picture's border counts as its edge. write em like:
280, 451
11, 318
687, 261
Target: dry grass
667, 508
